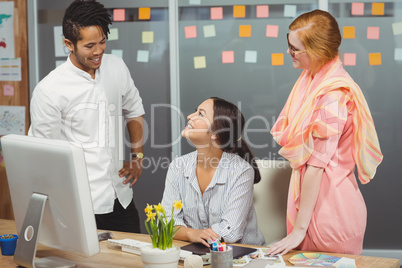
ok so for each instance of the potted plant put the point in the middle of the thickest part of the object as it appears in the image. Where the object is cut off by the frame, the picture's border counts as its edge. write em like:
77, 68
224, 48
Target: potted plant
162, 253
8, 243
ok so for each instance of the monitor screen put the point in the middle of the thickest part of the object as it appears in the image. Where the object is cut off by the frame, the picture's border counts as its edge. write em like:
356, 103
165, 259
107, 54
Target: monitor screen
53, 172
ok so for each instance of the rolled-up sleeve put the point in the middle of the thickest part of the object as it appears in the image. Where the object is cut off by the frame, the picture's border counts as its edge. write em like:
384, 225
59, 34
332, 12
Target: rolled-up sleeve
171, 194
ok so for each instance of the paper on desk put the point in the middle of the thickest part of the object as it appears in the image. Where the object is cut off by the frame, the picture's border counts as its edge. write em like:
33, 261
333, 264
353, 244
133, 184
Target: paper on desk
345, 263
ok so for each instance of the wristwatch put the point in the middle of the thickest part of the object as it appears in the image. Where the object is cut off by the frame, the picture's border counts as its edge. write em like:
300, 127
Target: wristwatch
138, 155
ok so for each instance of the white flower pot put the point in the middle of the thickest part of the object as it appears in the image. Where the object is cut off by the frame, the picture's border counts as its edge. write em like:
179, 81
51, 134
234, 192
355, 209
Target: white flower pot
157, 258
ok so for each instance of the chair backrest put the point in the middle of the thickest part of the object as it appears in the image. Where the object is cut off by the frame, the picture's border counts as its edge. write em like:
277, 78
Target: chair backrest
270, 198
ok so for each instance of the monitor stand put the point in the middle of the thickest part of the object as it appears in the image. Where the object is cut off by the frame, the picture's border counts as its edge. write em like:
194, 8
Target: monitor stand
28, 238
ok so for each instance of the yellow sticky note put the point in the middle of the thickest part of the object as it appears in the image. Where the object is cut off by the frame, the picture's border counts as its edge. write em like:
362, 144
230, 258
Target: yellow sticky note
277, 59
200, 62
239, 11
377, 9
144, 13
244, 30
375, 58
348, 32
147, 37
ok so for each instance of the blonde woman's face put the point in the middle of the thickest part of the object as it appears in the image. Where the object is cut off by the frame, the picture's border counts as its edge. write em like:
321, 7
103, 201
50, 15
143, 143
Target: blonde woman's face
298, 52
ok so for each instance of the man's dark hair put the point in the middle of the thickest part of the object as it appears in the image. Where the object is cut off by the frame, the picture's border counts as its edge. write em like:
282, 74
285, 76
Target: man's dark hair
84, 13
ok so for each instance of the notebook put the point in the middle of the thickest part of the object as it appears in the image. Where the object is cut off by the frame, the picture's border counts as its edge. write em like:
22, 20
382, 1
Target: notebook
200, 249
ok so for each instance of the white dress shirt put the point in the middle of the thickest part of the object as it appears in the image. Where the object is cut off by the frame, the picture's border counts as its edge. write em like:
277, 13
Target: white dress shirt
69, 105
227, 202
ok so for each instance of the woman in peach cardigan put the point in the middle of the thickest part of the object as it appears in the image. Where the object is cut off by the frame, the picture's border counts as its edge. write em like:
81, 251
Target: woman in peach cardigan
325, 130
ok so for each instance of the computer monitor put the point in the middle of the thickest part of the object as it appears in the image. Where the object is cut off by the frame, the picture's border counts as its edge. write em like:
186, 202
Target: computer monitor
51, 199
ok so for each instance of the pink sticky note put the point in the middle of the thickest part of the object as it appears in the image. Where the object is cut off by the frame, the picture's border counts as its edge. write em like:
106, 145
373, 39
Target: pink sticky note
190, 31
357, 8
272, 31
119, 14
349, 59
262, 11
8, 90
227, 56
373, 32
216, 13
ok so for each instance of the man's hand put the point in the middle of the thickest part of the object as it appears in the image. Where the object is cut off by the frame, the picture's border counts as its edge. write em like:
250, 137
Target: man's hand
202, 235
132, 171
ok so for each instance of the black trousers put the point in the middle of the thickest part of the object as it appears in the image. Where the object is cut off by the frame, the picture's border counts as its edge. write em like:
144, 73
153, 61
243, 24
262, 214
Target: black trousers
123, 220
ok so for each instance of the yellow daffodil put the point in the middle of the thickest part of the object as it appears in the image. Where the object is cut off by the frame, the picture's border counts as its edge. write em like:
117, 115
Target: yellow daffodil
159, 208
177, 205
148, 209
151, 216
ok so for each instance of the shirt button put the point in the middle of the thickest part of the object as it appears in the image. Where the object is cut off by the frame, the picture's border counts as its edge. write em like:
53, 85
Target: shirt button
228, 227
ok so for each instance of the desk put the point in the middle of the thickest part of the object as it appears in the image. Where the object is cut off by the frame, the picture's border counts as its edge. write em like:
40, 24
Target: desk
114, 258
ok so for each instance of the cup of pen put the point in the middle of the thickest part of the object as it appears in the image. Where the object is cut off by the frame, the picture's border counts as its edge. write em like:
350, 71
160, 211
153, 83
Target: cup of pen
8, 243
223, 258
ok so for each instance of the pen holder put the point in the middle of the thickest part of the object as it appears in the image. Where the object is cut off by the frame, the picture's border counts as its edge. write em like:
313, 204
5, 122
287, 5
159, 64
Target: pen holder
8, 243
222, 259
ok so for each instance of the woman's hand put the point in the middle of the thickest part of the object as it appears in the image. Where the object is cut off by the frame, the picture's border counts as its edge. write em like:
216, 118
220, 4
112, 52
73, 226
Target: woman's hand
288, 243
202, 235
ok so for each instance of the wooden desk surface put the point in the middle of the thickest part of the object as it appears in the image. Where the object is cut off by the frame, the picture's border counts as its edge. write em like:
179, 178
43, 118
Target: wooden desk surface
114, 258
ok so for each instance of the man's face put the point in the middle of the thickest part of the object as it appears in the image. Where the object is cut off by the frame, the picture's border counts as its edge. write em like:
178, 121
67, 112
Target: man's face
87, 54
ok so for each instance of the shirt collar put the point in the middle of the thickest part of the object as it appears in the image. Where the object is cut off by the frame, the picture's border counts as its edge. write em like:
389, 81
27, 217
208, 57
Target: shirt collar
219, 177
82, 72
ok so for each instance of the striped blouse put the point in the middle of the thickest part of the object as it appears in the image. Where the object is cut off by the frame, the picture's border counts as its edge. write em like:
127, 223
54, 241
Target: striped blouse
227, 202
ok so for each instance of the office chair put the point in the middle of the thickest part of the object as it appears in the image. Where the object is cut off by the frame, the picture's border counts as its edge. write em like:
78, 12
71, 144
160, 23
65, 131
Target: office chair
270, 198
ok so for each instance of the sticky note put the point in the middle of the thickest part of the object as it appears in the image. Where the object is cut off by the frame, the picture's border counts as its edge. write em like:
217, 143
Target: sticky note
398, 54
114, 34
244, 30
144, 13
277, 59
190, 31
349, 59
8, 90
289, 11
194, 2
239, 11
216, 13
377, 9
348, 32
119, 14
272, 31
375, 58
263, 11
142, 56
117, 52
227, 56
147, 37
250, 56
200, 62
373, 32
357, 9
397, 28
209, 31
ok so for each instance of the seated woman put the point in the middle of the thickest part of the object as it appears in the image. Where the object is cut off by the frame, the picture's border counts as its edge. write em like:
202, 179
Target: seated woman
215, 182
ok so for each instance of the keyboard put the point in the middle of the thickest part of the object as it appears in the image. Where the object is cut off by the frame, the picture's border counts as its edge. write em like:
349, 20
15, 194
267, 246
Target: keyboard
134, 246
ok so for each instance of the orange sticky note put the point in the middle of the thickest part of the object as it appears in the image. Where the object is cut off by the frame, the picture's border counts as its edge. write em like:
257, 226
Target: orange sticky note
357, 9
244, 30
349, 59
348, 32
144, 13
216, 13
373, 32
262, 11
227, 56
277, 59
377, 9
119, 14
239, 11
375, 58
190, 31
272, 31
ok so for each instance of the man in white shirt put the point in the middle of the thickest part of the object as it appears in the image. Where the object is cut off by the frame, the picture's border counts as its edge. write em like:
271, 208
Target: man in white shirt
84, 101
